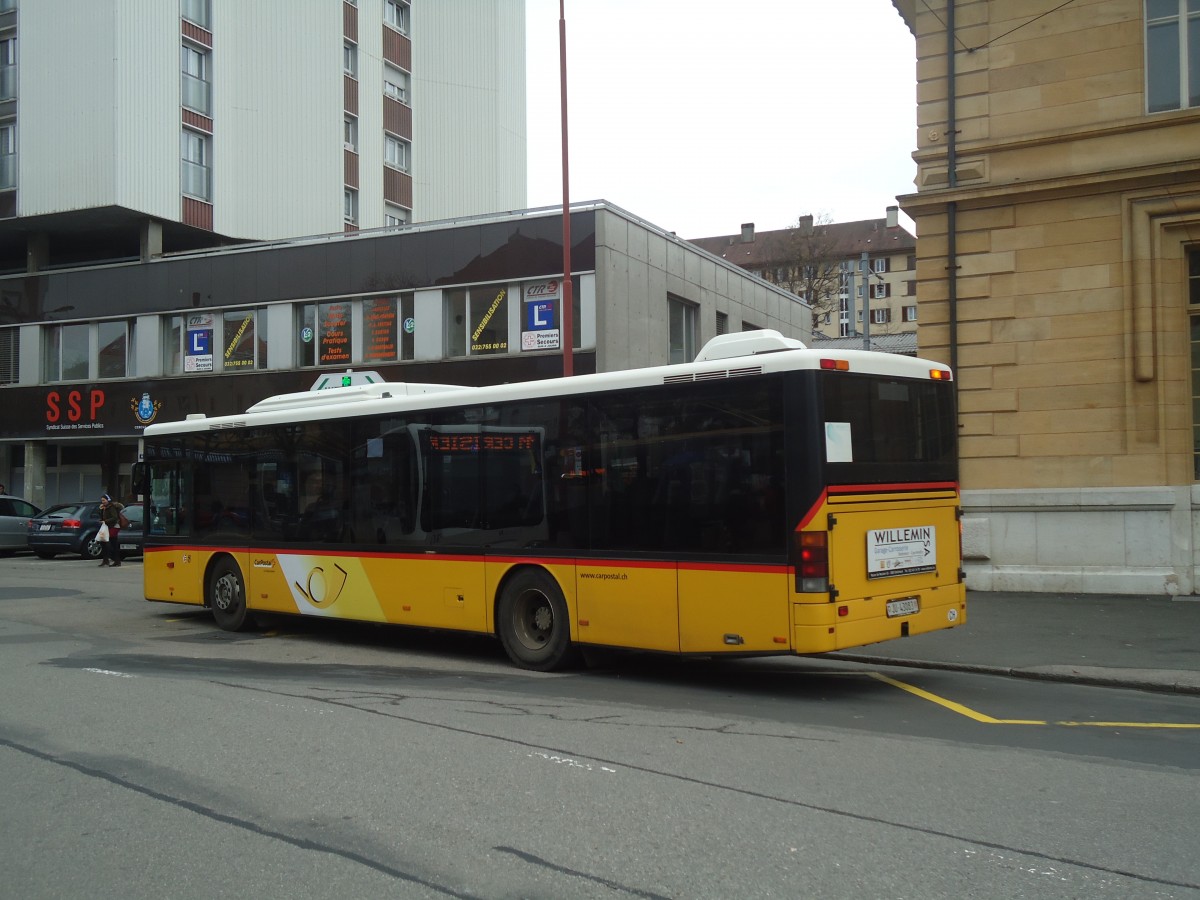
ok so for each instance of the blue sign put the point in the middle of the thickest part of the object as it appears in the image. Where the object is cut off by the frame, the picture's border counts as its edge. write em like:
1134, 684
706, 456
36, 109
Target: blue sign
539, 315
199, 342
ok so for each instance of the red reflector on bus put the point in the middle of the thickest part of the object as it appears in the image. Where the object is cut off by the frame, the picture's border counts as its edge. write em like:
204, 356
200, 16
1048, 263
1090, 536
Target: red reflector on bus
843, 610
941, 375
840, 364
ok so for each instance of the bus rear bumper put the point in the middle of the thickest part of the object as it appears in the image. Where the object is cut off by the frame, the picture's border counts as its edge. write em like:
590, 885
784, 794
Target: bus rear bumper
824, 627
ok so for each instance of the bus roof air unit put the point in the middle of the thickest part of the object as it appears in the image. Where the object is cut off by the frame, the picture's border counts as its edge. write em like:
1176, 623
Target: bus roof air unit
747, 343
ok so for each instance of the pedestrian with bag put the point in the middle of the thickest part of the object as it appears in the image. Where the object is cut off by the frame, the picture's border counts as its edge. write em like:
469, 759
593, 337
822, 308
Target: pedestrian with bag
112, 519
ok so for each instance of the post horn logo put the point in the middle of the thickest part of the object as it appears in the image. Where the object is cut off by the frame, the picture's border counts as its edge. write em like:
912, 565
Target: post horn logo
323, 588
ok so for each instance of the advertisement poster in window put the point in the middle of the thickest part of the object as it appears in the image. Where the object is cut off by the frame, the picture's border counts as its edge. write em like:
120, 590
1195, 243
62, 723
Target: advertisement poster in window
489, 320
198, 355
335, 333
239, 339
539, 324
379, 321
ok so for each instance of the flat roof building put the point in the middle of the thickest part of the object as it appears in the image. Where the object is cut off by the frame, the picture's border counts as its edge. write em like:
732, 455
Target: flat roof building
91, 355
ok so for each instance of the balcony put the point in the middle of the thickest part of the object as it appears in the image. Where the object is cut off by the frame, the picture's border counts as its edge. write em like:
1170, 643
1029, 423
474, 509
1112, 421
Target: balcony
196, 180
196, 94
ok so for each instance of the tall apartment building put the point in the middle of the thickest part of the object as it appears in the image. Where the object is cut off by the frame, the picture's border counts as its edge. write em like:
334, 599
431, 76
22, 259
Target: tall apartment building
821, 264
180, 124
1058, 266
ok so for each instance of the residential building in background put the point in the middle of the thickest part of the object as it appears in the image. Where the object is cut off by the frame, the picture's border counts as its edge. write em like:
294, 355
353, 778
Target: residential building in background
183, 124
102, 351
821, 263
1058, 265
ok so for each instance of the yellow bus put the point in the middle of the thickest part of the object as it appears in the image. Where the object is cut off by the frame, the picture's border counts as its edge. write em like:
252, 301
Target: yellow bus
763, 499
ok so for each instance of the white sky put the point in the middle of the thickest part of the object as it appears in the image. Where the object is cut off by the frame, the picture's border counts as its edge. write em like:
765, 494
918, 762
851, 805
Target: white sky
699, 115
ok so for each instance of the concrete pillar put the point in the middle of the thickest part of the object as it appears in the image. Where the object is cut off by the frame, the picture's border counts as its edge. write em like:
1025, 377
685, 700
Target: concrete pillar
151, 240
6, 474
35, 473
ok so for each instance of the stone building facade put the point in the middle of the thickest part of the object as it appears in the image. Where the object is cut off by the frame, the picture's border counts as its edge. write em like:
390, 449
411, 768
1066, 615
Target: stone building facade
1057, 208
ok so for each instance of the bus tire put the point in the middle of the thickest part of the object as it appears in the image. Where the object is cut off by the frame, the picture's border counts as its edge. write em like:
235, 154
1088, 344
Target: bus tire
532, 622
227, 596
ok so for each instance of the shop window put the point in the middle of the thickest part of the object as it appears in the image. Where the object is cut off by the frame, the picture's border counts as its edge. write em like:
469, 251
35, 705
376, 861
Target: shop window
70, 356
388, 328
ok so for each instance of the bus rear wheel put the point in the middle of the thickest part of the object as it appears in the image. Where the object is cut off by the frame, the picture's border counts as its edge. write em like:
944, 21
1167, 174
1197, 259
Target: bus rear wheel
227, 597
533, 623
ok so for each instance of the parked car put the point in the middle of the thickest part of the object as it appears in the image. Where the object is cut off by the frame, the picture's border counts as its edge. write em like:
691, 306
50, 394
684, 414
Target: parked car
15, 514
72, 528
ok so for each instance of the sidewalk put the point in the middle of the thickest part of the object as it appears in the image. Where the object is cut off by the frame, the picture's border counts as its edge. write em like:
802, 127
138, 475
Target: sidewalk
1145, 643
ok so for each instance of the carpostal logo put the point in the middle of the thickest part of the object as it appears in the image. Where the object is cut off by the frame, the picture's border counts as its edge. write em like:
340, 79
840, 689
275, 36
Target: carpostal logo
145, 410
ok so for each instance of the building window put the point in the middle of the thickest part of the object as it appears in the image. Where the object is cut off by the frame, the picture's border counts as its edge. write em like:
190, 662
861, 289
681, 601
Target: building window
396, 152
8, 68
350, 60
350, 206
196, 175
722, 323
396, 13
350, 133
10, 355
880, 264
881, 291
1172, 54
394, 216
112, 349
69, 354
681, 330
195, 92
910, 288
910, 314
196, 11
326, 334
226, 341
881, 316
395, 84
240, 347
8, 156
477, 321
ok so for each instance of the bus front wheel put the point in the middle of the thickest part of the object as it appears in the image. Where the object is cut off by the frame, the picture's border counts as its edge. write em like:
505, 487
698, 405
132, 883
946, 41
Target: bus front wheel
227, 597
533, 624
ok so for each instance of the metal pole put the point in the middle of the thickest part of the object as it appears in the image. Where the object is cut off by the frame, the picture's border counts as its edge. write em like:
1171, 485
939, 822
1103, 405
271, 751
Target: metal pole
566, 320
865, 264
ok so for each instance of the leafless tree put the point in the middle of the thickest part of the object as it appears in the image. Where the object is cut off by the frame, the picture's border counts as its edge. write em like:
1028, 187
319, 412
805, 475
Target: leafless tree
811, 267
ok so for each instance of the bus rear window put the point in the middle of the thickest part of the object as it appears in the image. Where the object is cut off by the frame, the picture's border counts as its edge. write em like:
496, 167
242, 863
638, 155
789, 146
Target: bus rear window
888, 429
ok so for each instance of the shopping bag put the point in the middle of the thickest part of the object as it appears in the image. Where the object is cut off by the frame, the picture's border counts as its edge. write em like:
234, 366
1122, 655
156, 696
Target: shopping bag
102, 534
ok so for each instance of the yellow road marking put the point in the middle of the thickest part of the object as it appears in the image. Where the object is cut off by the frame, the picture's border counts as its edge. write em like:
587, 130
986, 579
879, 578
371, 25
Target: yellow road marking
988, 720
951, 705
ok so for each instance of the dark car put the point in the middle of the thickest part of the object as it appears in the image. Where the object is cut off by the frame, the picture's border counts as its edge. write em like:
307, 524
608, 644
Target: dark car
72, 528
15, 514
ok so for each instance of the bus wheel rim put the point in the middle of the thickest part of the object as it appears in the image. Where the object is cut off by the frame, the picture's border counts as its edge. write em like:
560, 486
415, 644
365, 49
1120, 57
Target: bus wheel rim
225, 592
534, 619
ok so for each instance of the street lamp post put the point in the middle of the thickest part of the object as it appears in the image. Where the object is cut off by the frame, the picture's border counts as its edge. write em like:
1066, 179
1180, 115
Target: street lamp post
566, 319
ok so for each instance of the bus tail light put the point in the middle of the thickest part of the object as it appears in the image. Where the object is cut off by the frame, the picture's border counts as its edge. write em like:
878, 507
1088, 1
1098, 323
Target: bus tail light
840, 365
941, 375
811, 559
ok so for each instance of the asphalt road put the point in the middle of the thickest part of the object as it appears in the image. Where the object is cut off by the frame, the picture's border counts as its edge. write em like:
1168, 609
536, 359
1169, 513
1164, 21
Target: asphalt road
145, 753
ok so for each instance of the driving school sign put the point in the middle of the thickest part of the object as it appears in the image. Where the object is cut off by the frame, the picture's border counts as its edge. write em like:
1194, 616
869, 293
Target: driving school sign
539, 329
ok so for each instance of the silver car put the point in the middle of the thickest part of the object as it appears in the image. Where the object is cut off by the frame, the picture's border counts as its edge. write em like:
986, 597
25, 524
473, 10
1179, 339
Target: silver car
15, 514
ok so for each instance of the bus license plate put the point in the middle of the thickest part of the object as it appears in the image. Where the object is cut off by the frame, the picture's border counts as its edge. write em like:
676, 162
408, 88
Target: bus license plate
905, 606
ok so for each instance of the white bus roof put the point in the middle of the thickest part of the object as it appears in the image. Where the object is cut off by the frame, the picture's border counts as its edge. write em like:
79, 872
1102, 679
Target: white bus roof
725, 356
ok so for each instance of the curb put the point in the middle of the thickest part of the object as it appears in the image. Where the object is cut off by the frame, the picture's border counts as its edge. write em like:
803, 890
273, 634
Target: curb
1163, 681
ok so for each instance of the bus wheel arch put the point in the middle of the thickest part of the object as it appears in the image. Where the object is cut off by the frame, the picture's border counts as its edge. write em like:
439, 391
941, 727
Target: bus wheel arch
533, 621
225, 594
